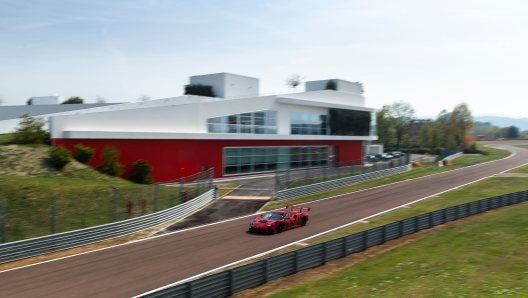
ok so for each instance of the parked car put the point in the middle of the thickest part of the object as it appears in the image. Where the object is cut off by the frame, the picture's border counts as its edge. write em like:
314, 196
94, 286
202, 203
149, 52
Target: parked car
371, 158
277, 221
396, 153
384, 156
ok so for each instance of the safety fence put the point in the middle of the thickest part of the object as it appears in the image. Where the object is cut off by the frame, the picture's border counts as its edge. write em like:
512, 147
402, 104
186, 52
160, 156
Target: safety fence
39, 216
323, 186
16, 250
225, 284
295, 178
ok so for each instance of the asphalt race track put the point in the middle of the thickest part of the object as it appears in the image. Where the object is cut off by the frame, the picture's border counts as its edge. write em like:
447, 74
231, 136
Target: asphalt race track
139, 267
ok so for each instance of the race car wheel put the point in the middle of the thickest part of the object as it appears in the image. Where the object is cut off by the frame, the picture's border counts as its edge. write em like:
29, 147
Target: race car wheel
280, 228
304, 220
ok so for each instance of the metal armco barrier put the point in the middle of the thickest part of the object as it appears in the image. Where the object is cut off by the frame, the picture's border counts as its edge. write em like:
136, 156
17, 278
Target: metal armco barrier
322, 186
17, 250
226, 283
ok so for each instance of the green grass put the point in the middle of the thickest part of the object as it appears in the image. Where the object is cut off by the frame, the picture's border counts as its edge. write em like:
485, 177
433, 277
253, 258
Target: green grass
484, 256
521, 170
79, 203
522, 146
472, 159
6, 138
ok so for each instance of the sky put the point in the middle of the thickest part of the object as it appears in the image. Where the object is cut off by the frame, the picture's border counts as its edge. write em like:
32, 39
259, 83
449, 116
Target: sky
431, 54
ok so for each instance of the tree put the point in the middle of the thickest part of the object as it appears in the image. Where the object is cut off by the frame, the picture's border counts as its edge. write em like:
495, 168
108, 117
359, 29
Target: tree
100, 99
143, 97
199, 89
293, 81
401, 115
73, 100
461, 122
330, 85
513, 132
361, 87
141, 172
30, 130
111, 166
29, 102
383, 123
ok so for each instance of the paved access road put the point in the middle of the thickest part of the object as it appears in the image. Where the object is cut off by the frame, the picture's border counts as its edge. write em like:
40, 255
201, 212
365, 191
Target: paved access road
135, 268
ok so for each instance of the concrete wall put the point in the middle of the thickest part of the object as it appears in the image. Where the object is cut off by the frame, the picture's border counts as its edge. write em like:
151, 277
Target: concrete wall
45, 100
341, 85
226, 85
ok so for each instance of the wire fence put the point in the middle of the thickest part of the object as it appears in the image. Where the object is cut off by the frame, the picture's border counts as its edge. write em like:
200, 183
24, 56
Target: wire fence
33, 217
225, 284
297, 178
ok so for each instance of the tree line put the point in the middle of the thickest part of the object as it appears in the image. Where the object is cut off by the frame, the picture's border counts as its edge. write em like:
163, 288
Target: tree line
399, 128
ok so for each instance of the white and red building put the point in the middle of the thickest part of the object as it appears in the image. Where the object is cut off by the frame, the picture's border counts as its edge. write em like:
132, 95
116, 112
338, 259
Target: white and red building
237, 133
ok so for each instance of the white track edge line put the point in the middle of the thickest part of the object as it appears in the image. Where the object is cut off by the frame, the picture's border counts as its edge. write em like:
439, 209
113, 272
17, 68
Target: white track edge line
248, 215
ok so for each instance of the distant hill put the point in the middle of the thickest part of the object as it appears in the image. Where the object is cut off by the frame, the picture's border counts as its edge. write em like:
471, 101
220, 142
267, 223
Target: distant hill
521, 123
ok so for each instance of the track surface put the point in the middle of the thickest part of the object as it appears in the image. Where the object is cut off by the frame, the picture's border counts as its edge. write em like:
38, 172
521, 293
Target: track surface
135, 268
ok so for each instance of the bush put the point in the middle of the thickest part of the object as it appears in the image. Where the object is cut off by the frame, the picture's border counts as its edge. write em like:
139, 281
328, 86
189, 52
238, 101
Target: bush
141, 172
83, 154
59, 156
437, 150
30, 131
111, 166
199, 89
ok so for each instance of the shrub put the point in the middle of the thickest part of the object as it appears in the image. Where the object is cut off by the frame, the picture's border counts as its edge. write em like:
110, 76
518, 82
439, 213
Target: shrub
438, 150
30, 131
330, 85
83, 154
111, 166
199, 89
59, 156
141, 172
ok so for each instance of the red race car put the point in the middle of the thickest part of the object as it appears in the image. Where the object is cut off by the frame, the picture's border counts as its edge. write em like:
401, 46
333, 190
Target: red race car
280, 220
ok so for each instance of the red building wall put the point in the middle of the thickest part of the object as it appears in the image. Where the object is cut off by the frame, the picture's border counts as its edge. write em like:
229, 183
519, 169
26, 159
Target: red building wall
172, 159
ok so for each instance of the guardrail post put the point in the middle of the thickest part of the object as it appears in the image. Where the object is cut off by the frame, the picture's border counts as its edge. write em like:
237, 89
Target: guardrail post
53, 215
384, 234
296, 256
190, 290
325, 252
215, 192
114, 204
3, 236
401, 228
416, 224
197, 187
365, 240
345, 247
181, 191
266, 270
277, 186
430, 219
231, 282
156, 197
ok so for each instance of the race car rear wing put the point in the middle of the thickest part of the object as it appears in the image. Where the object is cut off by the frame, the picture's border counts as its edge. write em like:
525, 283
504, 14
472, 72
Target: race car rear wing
300, 207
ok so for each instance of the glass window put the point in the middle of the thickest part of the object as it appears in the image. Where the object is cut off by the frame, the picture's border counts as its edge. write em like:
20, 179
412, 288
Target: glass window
262, 122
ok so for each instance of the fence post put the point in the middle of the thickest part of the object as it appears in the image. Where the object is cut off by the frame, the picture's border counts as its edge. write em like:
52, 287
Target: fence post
3, 236
181, 191
324, 174
114, 204
197, 186
384, 234
296, 255
156, 197
53, 216
430, 219
416, 224
325, 253
211, 175
277, 187
401, 228
444, 215
215, 192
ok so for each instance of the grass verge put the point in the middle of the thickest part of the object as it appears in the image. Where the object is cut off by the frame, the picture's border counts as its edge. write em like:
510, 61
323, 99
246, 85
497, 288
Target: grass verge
482, 255
6, 138
478, 158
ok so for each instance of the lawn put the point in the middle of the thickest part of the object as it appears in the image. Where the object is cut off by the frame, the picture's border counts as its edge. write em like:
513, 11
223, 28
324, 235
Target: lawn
478, 158
6, 138
482, 256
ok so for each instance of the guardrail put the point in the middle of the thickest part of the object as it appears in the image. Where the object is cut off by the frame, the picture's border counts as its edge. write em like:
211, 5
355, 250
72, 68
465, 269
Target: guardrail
225, 284
17, 250
322, 186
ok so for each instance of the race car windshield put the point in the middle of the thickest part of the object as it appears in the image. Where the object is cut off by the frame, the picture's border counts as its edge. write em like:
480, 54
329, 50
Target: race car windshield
273, 216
